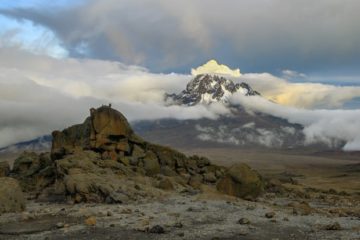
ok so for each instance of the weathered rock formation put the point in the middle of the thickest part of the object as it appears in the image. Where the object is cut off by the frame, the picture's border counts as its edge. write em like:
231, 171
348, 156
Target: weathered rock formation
34, 171
103, 160
11, 196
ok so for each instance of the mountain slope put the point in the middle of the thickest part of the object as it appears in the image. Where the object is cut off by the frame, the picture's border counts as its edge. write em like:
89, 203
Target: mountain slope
239, 129
206, 88
39, 144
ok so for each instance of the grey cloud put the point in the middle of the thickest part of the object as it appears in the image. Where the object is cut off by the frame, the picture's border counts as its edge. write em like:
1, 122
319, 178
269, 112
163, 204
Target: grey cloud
263, 35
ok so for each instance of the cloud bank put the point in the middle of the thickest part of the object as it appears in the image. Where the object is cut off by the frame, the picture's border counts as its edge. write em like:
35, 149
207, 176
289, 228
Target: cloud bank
39, 94
329, 126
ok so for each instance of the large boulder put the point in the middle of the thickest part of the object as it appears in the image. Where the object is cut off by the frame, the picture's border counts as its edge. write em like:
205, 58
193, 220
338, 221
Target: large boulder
4, 169
106, 131
108, 128
34, 171
11, 196
241, 181
74, 138
151, 164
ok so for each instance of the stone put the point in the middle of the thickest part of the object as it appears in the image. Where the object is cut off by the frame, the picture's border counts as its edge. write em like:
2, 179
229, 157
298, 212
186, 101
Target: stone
333, 226
71, 139
241, 181
4, 169
60, 225
210, 177
195, 181
167, 171
102, 160
125, 161
108, 126
90, 221
138, 152
166, 184
123, 146
157, 229
133, 161
302, 208
105, 130
11, 196
26, 164
270, 214
244, 221
151, 164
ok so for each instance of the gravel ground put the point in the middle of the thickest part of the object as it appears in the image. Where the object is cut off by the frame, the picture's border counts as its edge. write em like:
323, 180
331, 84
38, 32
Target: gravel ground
179, 217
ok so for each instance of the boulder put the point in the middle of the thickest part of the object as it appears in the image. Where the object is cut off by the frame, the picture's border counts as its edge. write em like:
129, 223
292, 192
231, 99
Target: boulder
34, 171
108, 126
151, 164
241, 181
166, 184
26, 164
106, 130
11, 196
4, 169
210, 177
74, 138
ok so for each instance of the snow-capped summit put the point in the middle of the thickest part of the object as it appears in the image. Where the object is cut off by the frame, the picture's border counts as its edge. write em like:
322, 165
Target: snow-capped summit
213, 67
206, 88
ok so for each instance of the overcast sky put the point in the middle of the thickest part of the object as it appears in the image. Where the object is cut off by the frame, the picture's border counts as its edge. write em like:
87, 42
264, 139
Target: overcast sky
59, 58
319, 38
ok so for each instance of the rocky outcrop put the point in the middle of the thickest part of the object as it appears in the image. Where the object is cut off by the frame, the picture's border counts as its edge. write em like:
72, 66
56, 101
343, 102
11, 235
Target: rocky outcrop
34, 171
241, 181
4, 169
103, 160
106, 131
11, 196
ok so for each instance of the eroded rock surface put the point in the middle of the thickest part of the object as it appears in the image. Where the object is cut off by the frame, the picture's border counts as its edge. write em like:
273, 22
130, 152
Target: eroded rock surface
241, 181
103, 160
11, 196
4, 169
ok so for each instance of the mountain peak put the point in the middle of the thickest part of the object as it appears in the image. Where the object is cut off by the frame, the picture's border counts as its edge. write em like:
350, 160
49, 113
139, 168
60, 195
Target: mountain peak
206, 88
213, 67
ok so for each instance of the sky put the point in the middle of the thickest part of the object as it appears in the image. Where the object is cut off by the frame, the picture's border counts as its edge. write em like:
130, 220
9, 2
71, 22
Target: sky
59, 58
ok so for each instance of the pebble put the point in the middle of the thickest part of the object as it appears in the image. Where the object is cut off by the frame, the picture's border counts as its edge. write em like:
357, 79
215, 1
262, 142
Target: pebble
244, 221
333, 226
178, 225
90, 221
60, 225
269, 214
157, 229
243, 232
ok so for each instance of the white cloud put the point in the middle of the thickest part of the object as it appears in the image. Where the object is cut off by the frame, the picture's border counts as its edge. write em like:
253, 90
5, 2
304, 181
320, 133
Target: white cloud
39, 94
302, 95
289, 74
329, 126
